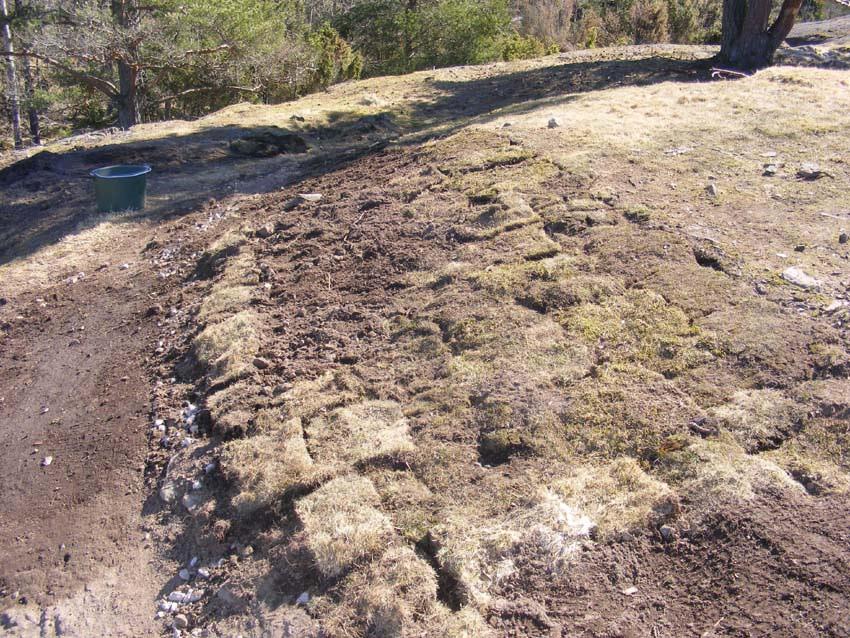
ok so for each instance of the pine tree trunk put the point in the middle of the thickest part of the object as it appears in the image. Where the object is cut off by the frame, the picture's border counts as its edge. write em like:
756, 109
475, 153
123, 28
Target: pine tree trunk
11, 76
748, 40
127, 102
129, 111
29, 90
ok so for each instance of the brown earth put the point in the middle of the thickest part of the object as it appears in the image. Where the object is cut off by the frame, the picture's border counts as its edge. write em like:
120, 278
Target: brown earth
502, 330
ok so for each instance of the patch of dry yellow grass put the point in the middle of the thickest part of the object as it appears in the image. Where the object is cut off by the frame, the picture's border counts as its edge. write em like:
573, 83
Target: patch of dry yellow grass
618, 495
225, 350
359, 432
308, 398
759, 417
343, 524
265, 467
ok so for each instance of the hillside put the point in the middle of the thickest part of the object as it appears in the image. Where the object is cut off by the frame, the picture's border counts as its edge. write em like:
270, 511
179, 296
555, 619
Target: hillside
548, 348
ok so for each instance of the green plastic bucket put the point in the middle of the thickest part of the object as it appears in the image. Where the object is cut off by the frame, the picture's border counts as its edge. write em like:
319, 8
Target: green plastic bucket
120, 187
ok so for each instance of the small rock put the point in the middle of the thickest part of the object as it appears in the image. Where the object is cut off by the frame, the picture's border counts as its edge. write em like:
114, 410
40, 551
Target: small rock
191, 501
811, 171
265, 231
168, 493
184, 574
180, 621
837, 304
310, 197
246, 551
209, 467
799, 248
47, 460
303, 599
769, 154
711, 189
204, 573
770, 170
842, 238
553, 123
260, 363
668, 533
629, 591
794, 275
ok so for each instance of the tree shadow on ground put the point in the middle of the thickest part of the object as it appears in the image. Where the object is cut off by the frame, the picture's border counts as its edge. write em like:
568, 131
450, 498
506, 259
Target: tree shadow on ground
50, 195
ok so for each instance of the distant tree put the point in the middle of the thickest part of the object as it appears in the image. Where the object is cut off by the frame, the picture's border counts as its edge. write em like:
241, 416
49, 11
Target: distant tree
29, 83
11, 75
749, 38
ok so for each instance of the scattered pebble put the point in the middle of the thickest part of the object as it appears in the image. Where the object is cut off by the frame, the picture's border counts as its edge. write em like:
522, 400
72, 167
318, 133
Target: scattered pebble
842, 238
303, 599
184, 574
629, 591
260, 363
47, 460
799, 248
181, 621
124, 266
668, 533
204, 573
310, 197
711, 189
553, 123
209, 467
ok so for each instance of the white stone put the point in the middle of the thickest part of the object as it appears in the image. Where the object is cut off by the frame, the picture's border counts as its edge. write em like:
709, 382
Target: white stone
168, 493
796, 276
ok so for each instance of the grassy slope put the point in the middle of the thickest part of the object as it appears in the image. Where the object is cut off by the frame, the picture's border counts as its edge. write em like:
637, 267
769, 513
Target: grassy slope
586, 340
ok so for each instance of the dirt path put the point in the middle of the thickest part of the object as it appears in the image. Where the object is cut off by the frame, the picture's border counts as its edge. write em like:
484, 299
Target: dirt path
74, 391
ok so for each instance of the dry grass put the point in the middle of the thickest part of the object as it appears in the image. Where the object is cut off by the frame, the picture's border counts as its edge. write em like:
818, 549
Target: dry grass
359, 432
226, 349
711, 472
308, 398
265, 467
480, 553
759, 418
392, 596
618, 495
343, 524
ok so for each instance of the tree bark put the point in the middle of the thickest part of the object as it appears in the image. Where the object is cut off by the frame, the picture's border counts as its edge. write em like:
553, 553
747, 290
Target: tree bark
29, 89
11, 76
748, 42
127, 101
